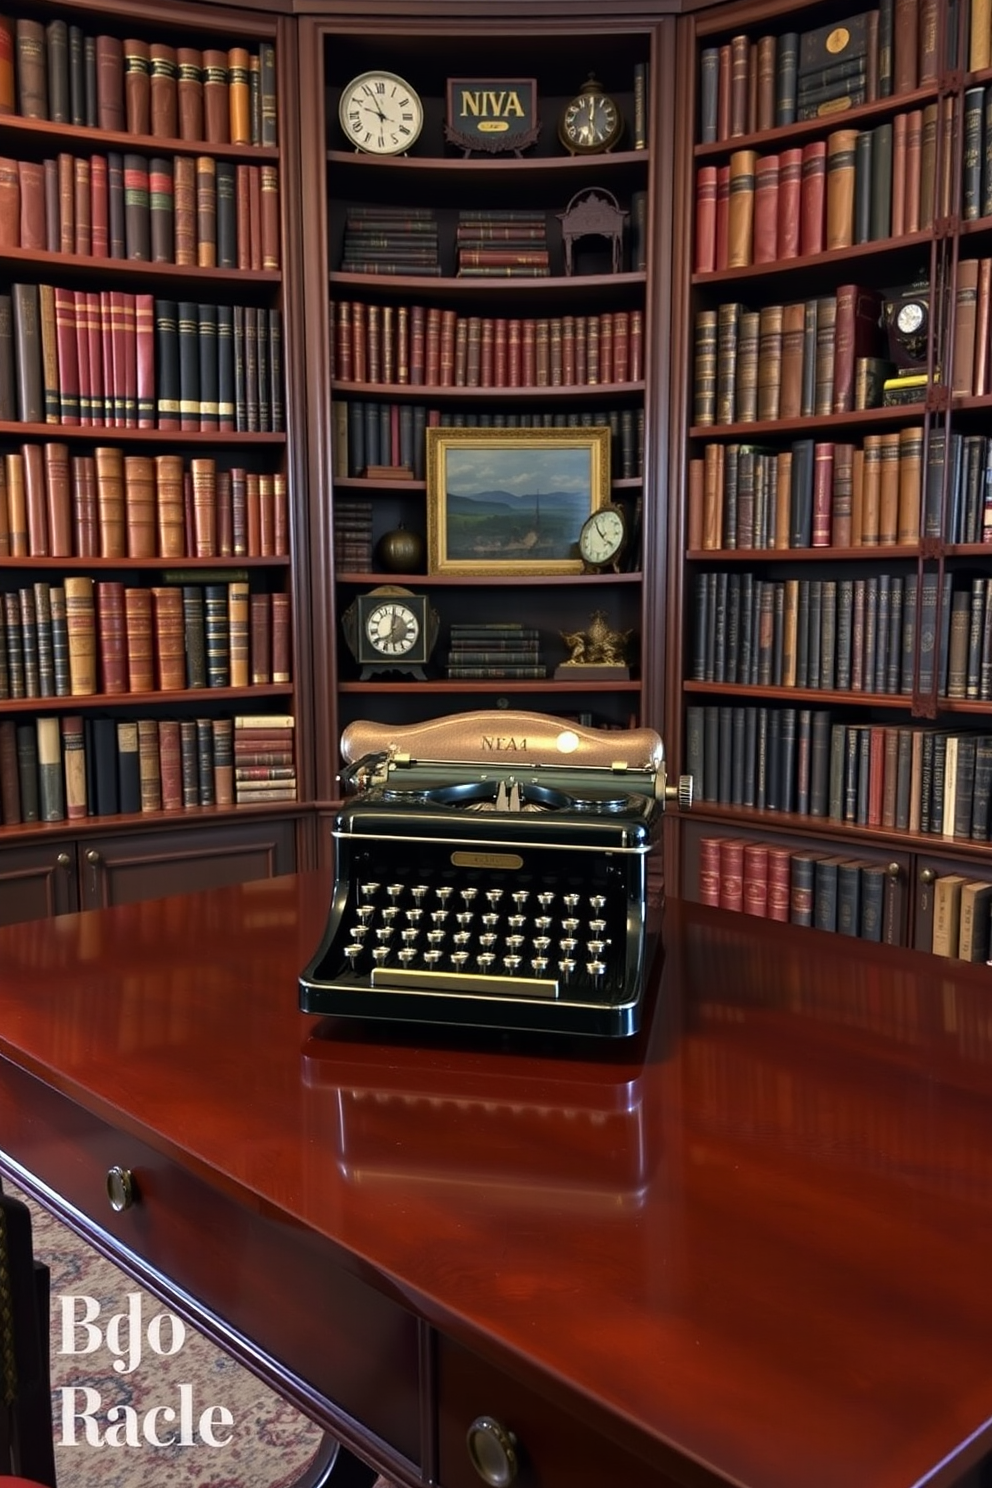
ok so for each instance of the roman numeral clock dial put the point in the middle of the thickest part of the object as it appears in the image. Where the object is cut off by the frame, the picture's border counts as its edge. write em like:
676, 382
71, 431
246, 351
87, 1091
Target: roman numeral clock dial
380, 113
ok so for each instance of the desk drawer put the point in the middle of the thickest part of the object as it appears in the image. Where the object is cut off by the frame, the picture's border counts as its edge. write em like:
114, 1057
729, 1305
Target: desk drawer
555, 1448
252, 1279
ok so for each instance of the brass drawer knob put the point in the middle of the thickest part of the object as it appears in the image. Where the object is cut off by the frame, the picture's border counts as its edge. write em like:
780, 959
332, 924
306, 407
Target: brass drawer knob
93, 858
63, 860
493, 1451
120, 1189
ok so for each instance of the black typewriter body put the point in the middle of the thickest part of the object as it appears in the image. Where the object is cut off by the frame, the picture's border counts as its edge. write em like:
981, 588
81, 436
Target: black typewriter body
515, 896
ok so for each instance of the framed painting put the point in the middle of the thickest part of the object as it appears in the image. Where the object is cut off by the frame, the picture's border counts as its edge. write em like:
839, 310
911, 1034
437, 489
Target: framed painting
512, 501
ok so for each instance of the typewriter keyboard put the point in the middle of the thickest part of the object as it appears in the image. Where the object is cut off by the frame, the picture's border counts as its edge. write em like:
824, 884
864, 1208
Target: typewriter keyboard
493, 935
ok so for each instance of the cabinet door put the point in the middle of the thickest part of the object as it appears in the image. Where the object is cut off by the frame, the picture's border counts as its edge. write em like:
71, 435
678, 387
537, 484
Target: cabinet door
36, 881
148, 865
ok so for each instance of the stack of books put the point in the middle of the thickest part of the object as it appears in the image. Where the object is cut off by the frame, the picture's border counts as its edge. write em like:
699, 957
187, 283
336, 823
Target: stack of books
503, 244
353, 536
833, 68
390, 240
264, 768
496, 649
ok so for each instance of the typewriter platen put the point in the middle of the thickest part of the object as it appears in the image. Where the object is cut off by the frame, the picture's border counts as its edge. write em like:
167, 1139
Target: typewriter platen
495, 870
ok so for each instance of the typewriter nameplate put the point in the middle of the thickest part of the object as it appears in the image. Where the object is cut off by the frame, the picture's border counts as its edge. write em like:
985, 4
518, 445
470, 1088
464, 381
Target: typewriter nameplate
486, 860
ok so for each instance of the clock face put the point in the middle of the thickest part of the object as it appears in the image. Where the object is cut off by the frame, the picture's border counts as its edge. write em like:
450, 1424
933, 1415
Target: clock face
392, 628
911, 317
602, 536
380, 113
590, 122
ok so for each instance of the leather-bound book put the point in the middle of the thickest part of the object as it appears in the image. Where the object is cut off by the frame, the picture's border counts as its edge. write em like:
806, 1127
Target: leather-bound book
206, 211
7, 49
90, 350
812, 228
111, 511
49, 352
8, 378
840, 185
36, 500
89, 80
254, 217
267, 86
116, 232
77, 77
251, 424
87, 403
143, 342
239, 96
280, 532
110, 111
227, 215
14, 644
188, 321
239, 511
209, 390
66, 167
766, 213
57, 40
124, 329
218, 640
225, 514
856, 334
31, 55
195, 633
137, 87
238, 627
140, 640
242, 209
111, 635
149, 765
216, 109
222, 730
269, 213
99, 207
205, 761
161, 210
51, 783
137, 226
10, 204
189, 754
225, 368
267, 514
184, 193
27, 771
128, 774
53, 207
169, 638
27, 354
164, 108
282, 647
240, 393
85, 520
82, 198
823, 482
171, 524
81, 622
963, 351
10, 789
740, 220
33, 226
888, 490
139, 506
793, 337
204, 473
190, 93
58, 499
4, 526
170, 764
260, 645
906, 45
253, 509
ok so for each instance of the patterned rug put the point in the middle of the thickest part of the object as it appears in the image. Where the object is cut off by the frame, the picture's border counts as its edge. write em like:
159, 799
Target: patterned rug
121, 1363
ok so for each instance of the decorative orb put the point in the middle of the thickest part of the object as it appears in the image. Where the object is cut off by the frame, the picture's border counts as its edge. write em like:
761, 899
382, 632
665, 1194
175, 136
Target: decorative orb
401, 551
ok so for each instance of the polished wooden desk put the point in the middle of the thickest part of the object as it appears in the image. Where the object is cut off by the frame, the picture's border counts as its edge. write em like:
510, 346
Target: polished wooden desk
752, 1249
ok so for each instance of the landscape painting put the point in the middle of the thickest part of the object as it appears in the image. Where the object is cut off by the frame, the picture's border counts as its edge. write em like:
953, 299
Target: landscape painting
512, 501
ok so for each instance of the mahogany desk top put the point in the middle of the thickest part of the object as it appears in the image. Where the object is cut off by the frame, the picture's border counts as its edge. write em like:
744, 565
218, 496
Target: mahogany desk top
752, 1248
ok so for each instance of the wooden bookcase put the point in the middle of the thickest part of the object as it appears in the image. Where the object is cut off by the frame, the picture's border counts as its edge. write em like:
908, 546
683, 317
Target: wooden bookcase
560, 52
132, 426
836, 760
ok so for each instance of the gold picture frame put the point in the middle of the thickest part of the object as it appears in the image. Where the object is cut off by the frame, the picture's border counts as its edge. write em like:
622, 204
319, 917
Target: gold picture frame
512, 501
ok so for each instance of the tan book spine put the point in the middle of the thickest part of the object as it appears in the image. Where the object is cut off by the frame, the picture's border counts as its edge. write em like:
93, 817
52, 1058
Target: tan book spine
204, 472
238, 96
694, 524
793, 327
110, 501
910, 484
149, 765
914, 166
840, 188
713, 479
928, 166
872, 491
36, 499
49, 353
17, 506
770, 361
237, 622
980, 35
783, 465
965, 323
740, 218
81, 625
140, 640
888, 491
184, 188
857, 497
85, 522
266, 515
139, 504
169, 506
282, 649
169, 638
59, 499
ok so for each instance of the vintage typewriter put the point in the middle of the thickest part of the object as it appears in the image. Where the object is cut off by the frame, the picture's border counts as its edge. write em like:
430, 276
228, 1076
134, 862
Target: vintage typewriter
495, 870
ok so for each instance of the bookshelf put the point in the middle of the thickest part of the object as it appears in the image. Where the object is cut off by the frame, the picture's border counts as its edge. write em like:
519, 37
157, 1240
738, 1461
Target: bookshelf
147, 446
371, 399
833, 594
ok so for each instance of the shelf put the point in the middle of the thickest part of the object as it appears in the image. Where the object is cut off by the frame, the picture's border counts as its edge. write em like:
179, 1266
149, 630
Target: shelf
74, 563
768, 140
101, 270
109, 434
829, 827
902, 701
884, 249
131, 700
424, 393
65, 135
799, 428
546, 685
803, 555
448, 286
492, 581
480, 171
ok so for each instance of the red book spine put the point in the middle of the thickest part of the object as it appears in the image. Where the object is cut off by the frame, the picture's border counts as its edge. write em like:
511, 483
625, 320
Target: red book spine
65, 336
144, 353
117, 336
130, 361
528, 352
790, 174
253, 515
81, 315
82, 209
486, 351
255, 254
914, 148
722, 230
756, 879
621, 345
823, 489
418, 345
705, 254
709, 870
359, 350
111, 636
606, 347
59, 499
814, 195
94, 354
779, 883
514, 350
107, 346
766, 189
732, 873
99, 207
170, 765
281, 639
36, 500
140, 647
568, 350
225, 515
446, 366
85, 527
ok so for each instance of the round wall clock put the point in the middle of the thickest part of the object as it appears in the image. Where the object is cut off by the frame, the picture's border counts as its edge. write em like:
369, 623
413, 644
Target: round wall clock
603, 538
380, 113
591, 123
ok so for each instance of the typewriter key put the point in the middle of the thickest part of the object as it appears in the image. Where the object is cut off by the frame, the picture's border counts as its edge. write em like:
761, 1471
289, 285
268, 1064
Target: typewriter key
407, 954
596, 927
389, 914
520, 897
395, 891
435, 937
418, 891
597, 901
570, 926
489, 920
570, 901
494, 896
458, 959
569, 944
596, 968
486, 959
514, 942
516, 922
380, 955
462, 937
431, 958
409, 937
352, 952
414, 916
464, 917
596, 947
359, 932
487, 940
512, 963
369, 890
444, 893
365, 912
541, 942
545, 899
539, 965
468, 895
542, 922
384, 934
566, 967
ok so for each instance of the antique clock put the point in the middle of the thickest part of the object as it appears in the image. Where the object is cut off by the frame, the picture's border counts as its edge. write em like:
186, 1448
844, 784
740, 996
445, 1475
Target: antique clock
603, 539
906, 318
390, 629
591, 123
380, 113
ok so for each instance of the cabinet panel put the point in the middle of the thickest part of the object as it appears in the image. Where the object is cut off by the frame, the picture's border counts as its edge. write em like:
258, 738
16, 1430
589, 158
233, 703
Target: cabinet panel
34, 883
124, 869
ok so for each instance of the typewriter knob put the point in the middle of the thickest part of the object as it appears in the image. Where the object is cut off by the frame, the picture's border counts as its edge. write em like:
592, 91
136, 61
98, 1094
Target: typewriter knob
493, 1451
681, 793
